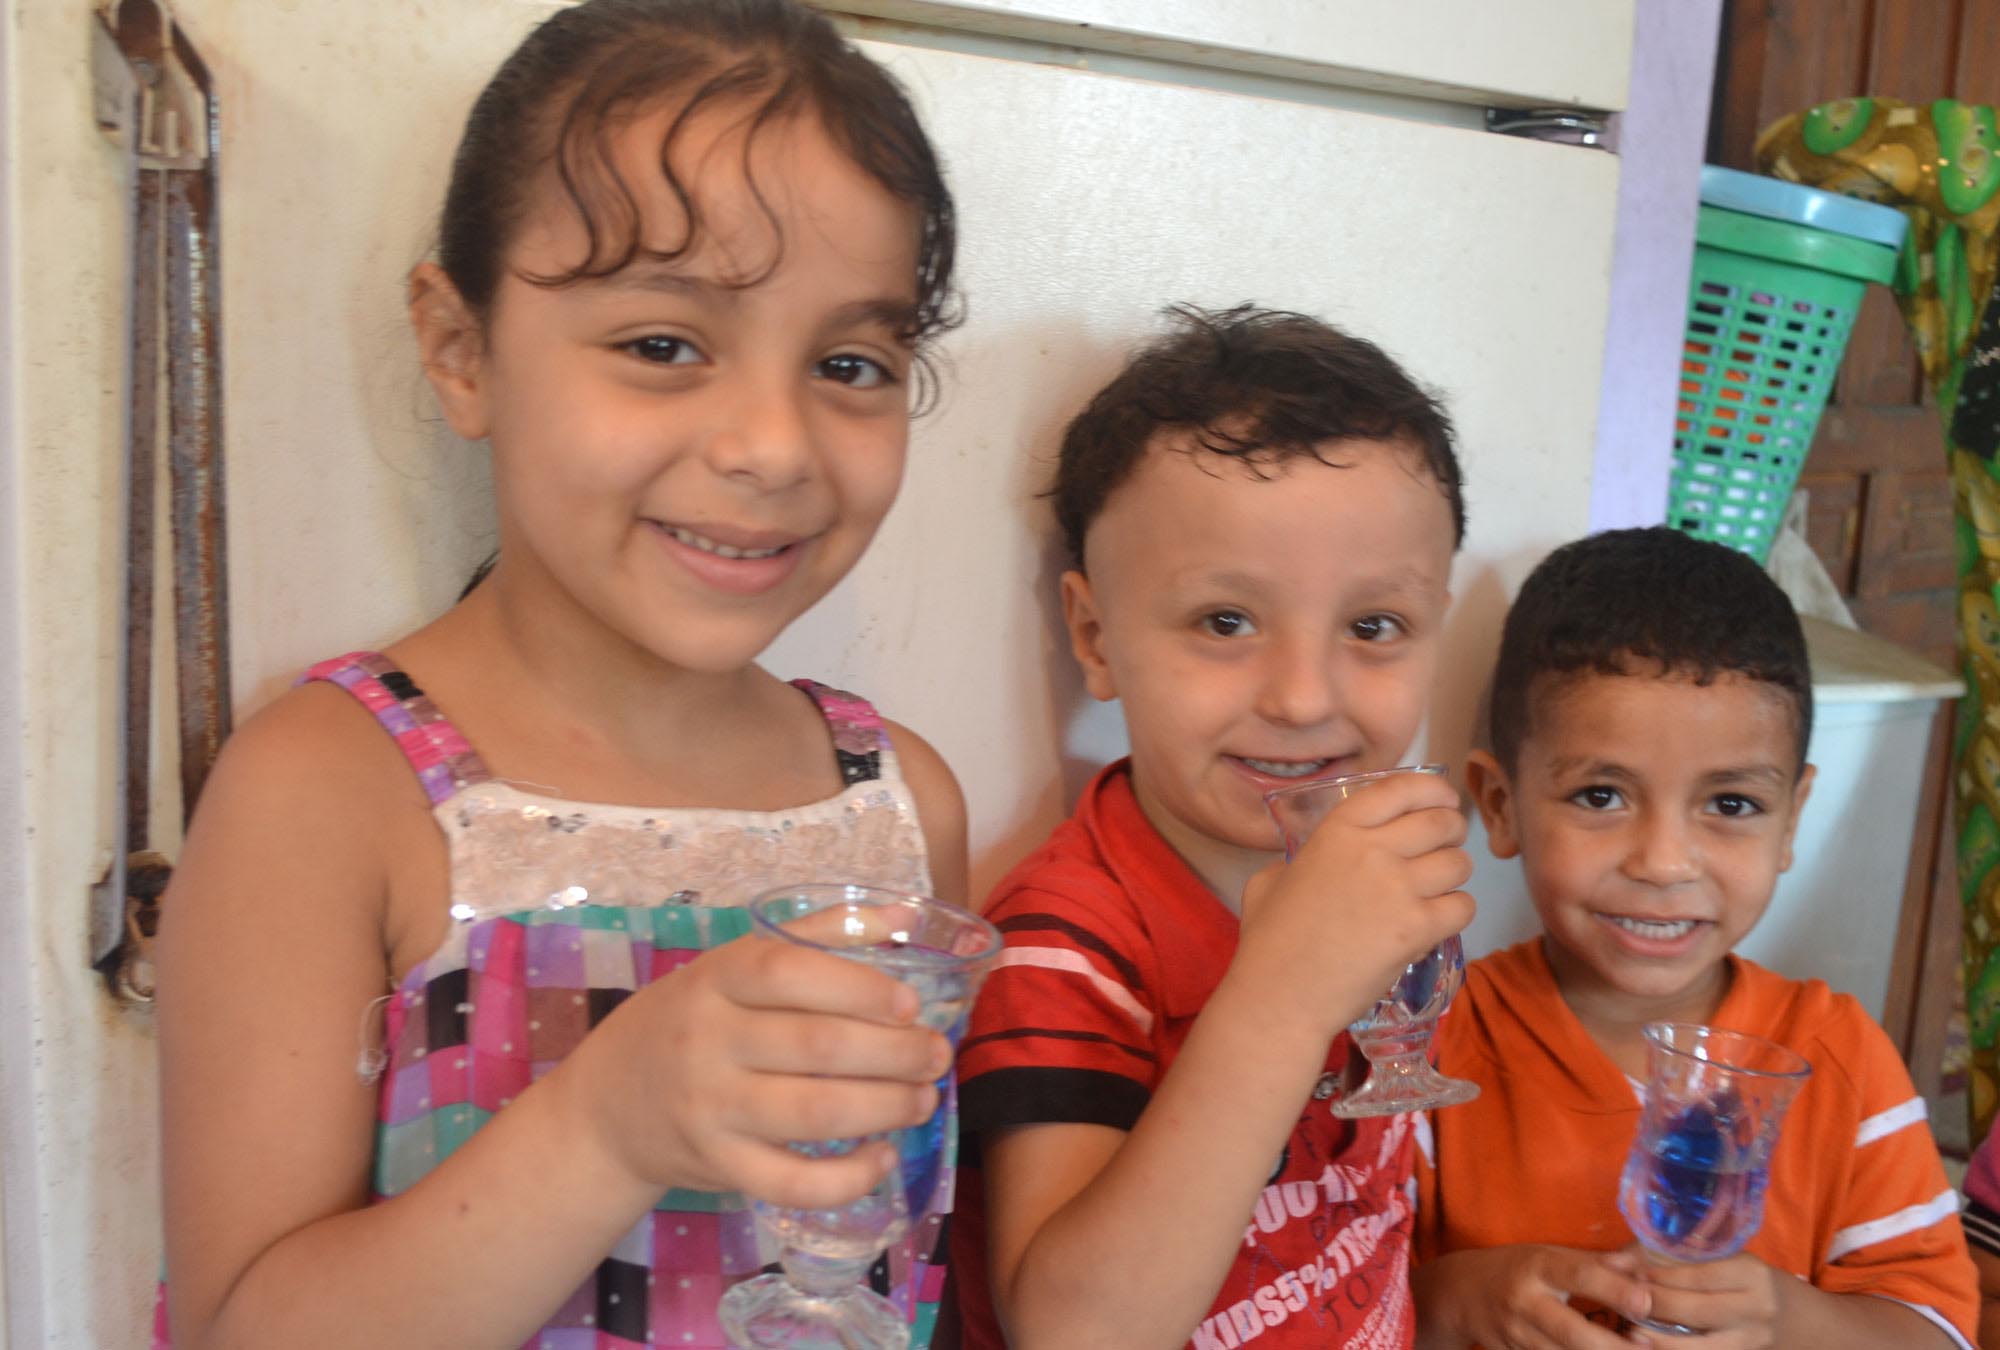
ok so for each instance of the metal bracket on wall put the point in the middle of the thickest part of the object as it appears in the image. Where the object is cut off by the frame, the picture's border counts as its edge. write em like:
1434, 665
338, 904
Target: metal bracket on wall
153, 97
1563, 126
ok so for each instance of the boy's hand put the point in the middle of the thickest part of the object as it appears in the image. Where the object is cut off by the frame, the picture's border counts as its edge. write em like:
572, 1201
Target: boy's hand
1736, 1304
702, 1077
1375, 887
1517, 1298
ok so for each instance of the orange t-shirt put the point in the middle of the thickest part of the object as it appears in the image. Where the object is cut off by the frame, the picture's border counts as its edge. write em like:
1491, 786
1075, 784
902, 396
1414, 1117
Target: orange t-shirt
1858, 1202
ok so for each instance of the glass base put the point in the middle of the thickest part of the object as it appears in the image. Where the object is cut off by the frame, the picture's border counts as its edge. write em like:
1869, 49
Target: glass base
1402, 1083
1664, 1328
771, 1313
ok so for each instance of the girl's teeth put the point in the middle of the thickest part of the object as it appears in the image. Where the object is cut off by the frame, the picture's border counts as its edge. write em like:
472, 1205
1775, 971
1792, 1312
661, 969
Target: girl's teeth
1286, 768
1659, 931
707, 545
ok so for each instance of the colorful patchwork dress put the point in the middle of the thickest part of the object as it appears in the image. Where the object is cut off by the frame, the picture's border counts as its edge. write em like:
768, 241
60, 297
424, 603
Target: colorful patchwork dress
560, 910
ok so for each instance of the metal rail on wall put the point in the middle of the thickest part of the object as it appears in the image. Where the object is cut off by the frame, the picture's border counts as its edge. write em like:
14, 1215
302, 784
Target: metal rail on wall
154, 98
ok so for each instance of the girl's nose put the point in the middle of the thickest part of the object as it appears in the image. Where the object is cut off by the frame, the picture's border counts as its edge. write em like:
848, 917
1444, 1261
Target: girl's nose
1664, 852
1301, 685
763, 440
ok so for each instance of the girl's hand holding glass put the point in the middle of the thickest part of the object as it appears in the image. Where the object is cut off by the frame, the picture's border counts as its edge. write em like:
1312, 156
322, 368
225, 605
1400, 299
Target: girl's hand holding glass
940, 953
750, 1046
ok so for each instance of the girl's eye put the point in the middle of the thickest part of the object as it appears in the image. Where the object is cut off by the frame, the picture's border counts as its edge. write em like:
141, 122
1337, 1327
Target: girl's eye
1377, 628
662, 350
1735, 804
856, 372
1598, 797
1227, 623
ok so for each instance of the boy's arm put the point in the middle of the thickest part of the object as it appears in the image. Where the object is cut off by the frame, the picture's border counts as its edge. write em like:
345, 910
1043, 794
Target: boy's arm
1103, 1238
1100, 1238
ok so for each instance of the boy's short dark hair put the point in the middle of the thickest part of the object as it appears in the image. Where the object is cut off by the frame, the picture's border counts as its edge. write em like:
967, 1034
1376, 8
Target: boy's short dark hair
1642, 602
1258, 385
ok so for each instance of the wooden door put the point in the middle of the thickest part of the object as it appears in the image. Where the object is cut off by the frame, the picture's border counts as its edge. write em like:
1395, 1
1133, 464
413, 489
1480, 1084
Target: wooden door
1880, 495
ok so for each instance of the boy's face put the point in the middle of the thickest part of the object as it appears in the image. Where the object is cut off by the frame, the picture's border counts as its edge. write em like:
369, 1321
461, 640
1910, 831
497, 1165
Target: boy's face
1259, 630
1652, 816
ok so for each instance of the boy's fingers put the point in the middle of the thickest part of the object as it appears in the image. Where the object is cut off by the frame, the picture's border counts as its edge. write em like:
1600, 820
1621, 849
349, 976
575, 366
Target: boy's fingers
1381, 802
1595, 1279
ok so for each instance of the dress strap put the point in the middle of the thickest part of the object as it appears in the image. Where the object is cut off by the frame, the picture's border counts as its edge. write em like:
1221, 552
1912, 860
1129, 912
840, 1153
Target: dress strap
861, 743
443, 761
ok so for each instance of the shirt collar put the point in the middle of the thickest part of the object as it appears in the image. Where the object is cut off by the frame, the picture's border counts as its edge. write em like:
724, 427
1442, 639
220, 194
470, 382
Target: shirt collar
1193, 934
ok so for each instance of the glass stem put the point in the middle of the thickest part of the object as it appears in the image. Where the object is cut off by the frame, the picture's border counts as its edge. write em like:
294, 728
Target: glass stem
824, 1276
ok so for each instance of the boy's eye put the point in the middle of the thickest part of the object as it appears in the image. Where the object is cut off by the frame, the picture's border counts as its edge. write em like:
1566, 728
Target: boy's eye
661, 350
1735, 804
1227, 623
856, 372
1598, 797
1377, 628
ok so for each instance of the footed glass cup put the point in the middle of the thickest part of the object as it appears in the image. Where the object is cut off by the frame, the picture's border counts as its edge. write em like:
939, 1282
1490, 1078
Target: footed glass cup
1395, 1035
1693, 1185
820, 1302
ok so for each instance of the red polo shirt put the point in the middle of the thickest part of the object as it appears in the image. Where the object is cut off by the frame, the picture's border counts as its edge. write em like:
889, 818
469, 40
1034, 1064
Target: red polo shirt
1113, 947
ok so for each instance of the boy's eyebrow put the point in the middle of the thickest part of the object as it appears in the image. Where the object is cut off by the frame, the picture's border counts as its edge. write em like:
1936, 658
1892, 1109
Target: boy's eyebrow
1758, 772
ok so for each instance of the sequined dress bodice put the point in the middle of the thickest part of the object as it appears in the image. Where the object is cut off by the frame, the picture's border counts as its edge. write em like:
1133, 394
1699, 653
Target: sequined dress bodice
560, 911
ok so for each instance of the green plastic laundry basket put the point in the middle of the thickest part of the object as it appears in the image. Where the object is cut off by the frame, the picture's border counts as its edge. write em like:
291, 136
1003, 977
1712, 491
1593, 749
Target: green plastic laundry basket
1779, 272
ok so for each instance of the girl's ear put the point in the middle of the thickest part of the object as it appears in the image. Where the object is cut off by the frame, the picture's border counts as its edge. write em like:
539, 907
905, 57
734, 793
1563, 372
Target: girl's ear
451, 343
1086, 635
1493, 794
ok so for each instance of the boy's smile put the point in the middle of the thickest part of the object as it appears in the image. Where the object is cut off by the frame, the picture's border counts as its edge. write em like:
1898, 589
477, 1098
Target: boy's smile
1259, 629
1652, 815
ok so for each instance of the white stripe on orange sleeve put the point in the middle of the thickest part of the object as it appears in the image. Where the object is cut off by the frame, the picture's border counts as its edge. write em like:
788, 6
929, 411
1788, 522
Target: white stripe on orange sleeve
1933, 1316
1076, 963
1885, 1123
1903, 1221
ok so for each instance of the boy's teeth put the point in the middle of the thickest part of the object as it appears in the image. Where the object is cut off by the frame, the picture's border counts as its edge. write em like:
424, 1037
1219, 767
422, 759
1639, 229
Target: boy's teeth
707, 545
1287, 768
1659, 931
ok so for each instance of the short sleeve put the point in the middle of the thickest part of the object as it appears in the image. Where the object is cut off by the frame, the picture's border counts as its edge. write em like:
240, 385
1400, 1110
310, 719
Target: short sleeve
1064, 1030
1896, 1229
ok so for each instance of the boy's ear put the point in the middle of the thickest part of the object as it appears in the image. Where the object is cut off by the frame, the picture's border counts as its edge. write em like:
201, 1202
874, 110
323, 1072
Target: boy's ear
1799, 795
451, 342
1493, 794
1086, 635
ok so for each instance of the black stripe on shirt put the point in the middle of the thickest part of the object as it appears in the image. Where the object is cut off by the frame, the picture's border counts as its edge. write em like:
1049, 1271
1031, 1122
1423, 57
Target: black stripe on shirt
1083, 937
1982, 1227
1046, 1095
1050, 1033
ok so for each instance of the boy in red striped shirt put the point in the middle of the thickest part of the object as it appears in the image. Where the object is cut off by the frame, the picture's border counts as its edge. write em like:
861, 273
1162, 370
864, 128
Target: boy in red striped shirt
1261, 513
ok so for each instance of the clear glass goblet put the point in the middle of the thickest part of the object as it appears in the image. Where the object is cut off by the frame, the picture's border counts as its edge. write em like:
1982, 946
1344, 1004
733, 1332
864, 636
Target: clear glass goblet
820, 1300
1693, 1185
1395, 1035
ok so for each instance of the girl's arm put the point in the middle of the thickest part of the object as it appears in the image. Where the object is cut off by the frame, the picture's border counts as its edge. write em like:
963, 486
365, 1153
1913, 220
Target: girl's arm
940, 810
275, 945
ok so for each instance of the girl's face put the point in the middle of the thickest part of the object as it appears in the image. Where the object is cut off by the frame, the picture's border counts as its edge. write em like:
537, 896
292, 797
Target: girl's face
690, 454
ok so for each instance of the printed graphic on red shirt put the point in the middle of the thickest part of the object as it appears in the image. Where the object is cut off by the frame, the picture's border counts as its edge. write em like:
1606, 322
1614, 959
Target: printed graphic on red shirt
1326, 1257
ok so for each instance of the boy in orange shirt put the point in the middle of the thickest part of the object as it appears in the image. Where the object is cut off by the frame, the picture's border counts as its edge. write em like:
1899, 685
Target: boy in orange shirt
1651, 709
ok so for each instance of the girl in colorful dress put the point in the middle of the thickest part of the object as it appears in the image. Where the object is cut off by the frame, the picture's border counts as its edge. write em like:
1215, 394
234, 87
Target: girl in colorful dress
690, 258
